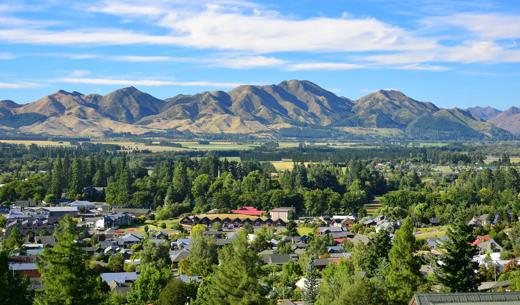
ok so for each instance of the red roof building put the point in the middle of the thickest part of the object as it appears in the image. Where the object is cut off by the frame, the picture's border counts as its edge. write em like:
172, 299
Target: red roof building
248, 210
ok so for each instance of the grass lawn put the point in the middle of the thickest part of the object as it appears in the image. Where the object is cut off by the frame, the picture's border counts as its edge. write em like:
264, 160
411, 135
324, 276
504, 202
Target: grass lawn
431, 232
152, 225
305, 230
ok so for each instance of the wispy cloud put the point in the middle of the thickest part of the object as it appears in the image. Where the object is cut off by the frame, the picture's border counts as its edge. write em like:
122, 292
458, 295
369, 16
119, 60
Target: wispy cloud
7, 56
18, 85
324, 66
145, 82
244, 62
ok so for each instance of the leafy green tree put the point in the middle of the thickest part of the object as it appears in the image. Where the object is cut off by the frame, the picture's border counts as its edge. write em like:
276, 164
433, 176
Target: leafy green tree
341, 285
13, 241
235, 279
291, 229
403, 277
12, 289
154, 274
458, 271
203, 254
369, 258
147, 287
66, 277
116, 262
177, 292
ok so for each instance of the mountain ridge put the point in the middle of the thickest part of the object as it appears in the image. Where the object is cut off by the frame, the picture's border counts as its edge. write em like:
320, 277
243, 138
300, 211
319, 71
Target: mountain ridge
249, 109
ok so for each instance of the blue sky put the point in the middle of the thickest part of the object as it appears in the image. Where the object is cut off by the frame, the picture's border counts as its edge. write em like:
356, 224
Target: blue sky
453, 53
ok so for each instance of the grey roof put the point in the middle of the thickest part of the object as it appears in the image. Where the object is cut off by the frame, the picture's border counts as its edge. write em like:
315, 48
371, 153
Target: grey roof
119, 277
486, 298
278, 259
22, 266
177, 255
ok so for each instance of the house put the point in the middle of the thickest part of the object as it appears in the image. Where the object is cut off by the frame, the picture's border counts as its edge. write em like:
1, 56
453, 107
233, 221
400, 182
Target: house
132, 211
328, 230
471, 298
129, 239
487, 244
27, 270
278, 259
283, 213
114, 221
345, 221
57, 213
177, 255
248, 210
119, 282
83, 205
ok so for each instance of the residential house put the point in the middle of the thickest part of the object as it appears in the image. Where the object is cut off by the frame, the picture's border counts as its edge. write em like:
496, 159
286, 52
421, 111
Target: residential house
469, 298
283, 213
114, 221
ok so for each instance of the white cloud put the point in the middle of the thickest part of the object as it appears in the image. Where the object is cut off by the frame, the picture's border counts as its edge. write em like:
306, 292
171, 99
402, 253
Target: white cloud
18, 85
7, 56
487, 26
244, 62
324, 66
80, 73
135, 58
145, 82
224, 29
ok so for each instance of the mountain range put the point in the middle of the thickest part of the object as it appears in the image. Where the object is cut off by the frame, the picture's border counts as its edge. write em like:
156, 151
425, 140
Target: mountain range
290, 108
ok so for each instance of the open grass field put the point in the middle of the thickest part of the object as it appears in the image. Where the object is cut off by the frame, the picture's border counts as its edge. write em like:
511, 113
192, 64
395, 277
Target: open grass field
153, 225
217, 145
373, 206
430, 232
37, 142
305, 230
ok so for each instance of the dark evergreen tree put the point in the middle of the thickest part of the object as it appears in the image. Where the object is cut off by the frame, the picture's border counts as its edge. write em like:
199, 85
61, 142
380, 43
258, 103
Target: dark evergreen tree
458, 271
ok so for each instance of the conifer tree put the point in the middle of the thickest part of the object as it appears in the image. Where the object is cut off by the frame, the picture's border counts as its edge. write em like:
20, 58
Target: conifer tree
310, 292
458, 271
403, 276
235, 279
66, 277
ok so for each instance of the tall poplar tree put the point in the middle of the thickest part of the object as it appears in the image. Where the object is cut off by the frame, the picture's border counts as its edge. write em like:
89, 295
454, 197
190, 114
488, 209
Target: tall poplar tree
458, 272
66, 277
57, 179
75, 184
403, 276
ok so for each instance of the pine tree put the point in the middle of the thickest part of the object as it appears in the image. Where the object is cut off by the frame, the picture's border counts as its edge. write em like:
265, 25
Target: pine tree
310, 292
66, 277
75, 184
458, 271
403, 276
235, 279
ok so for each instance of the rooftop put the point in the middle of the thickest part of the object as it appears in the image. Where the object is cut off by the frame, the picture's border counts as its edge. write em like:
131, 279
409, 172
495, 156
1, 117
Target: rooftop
489, 298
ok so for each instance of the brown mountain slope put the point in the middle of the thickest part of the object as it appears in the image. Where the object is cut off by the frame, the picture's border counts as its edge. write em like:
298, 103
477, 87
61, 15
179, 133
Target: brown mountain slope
129, 105
508, 120
484, 113
389, 109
